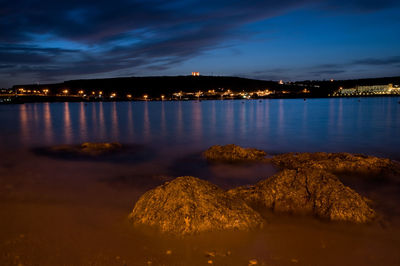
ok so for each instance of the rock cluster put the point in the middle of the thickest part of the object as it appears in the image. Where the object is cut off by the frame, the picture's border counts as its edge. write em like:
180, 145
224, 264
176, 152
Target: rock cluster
307, 184
308, 191
190, 205
335, 162
233, 153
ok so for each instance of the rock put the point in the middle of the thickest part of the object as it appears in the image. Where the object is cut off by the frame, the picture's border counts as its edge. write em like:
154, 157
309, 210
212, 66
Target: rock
88, 148
233, 153
93, 148
190, 205
336, 162
307, 191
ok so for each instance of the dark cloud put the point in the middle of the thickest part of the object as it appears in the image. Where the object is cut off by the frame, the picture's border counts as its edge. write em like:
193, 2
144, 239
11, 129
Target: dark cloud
392, 60
327, 72
121, 34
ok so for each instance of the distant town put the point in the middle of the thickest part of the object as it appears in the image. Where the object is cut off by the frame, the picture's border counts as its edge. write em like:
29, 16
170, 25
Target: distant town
195, 87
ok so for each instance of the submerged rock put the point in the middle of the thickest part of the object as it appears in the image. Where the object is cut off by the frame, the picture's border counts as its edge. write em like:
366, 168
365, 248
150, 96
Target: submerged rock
190, 205
88, 148
94, 148
233, 153
310, 191
336, 162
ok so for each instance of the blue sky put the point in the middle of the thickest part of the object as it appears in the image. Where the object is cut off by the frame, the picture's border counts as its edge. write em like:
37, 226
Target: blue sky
52, 41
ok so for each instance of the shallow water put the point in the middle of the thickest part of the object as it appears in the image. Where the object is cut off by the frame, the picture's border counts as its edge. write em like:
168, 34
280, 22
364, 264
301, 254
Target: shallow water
365, 125
68, 211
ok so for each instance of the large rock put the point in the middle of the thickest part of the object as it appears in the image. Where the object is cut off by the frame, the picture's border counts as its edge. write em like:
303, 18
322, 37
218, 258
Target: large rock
233, 153
309, 191
190, 205
335, 162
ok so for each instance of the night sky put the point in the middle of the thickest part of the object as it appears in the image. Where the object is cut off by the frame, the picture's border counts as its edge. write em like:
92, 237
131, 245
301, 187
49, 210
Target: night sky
51, 41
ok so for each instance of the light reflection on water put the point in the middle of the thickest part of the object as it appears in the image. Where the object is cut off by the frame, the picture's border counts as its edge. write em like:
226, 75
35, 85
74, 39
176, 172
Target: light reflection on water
371, 125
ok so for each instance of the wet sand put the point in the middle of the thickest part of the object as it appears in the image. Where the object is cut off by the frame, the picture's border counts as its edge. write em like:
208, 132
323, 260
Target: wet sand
65, 212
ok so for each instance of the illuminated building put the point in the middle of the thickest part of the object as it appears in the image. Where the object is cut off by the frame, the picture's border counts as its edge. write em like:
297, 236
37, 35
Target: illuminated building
368, 90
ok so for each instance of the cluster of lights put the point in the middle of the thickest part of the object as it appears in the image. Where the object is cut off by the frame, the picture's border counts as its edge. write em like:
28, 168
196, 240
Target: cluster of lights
368, 90
263, 93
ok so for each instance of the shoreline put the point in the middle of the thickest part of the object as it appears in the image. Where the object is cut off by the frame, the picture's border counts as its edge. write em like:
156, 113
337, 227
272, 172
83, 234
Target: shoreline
53, 99
76, 213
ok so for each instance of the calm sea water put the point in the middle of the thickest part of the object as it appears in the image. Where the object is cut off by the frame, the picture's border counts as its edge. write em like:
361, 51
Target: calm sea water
365, 125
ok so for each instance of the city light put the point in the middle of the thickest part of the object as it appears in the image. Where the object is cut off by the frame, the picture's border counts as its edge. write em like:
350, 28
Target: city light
368, 90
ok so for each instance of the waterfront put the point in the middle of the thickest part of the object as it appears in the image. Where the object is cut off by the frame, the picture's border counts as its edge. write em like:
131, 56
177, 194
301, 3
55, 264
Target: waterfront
73, 211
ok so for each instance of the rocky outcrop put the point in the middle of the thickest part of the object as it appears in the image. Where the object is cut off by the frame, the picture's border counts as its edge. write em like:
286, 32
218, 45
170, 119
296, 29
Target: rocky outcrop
335, 162
88, 148
233, 153
94, 148
190, 205
310, 191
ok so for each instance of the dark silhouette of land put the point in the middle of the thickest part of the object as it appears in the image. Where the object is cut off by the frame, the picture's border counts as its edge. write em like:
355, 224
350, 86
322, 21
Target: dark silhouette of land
183, 88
